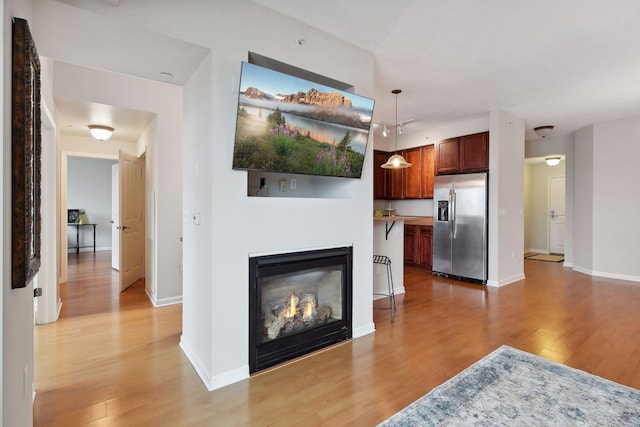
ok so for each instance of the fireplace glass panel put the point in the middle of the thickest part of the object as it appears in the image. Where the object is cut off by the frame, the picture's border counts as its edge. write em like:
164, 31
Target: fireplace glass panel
298, 301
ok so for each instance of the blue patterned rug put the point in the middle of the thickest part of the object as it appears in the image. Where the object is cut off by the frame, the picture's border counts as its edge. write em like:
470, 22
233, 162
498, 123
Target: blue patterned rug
511, 387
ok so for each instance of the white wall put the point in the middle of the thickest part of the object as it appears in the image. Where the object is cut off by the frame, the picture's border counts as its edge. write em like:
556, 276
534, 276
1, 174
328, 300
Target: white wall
506, 199
234, 226
17, 304
616, 199
89, 188
583, 200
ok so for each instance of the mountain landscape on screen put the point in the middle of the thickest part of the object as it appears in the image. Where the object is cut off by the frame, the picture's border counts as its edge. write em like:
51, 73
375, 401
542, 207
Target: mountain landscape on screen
288, 124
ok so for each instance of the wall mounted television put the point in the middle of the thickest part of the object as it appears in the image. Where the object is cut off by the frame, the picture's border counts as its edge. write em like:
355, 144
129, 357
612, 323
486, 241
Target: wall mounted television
288, 124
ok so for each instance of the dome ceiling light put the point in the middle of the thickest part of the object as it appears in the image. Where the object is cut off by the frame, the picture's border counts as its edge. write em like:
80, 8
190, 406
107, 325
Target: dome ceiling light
101, 133
543, 131
553, 161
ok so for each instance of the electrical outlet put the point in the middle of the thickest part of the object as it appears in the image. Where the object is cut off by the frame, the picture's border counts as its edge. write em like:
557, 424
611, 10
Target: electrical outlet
283, 185
293, 183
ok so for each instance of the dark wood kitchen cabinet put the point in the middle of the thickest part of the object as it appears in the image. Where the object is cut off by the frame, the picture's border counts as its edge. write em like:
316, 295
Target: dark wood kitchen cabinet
412, 177
447, 156
427, 172
410, 244
379, 175
387, 183
394, 184
415, 182
424, 236
474, 152
418, 250
469, 153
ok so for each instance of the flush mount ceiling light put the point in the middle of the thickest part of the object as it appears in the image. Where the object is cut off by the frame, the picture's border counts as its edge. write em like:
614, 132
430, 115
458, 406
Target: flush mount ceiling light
543, 131
396, 161
553, 161
101, 133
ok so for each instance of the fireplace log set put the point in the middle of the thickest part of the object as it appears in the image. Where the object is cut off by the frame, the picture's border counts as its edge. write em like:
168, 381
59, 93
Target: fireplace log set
294, 313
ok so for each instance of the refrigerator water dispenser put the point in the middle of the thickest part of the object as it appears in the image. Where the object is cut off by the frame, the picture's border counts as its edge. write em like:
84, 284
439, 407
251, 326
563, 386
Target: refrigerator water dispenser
443, 210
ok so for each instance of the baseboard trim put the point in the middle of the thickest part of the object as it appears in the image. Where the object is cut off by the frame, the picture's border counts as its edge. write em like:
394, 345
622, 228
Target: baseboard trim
226, 378
197, 366
163, 302
364, 330
617, 276
214, 382
505, 282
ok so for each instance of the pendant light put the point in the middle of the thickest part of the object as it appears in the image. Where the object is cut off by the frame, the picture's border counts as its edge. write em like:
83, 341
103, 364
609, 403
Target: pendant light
396, 161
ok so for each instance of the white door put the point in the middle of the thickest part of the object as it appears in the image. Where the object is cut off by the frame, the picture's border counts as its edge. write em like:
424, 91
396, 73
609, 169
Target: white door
556, 215
115, 217
131, 219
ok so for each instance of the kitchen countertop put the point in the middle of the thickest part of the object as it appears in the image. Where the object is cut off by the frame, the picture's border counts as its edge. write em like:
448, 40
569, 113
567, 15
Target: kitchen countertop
395, 218
420, 220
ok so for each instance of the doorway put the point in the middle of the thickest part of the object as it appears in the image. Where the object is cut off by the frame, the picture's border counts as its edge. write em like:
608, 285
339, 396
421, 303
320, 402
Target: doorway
544, 199
88, 180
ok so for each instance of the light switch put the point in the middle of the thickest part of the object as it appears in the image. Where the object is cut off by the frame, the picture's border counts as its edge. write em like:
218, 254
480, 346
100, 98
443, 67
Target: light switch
196, 218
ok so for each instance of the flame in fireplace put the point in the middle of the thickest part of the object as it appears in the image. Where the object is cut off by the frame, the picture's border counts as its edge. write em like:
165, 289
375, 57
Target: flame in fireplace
292, 306
308, 311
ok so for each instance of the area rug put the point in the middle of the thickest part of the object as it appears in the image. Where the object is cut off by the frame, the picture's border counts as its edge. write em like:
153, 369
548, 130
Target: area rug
511, 387
544, 257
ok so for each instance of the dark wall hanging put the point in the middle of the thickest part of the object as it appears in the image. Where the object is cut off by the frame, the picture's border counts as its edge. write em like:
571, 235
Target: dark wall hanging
26, 151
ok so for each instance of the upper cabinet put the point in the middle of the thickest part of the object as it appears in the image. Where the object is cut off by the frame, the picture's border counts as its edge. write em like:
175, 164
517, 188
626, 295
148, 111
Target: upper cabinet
469, 153
415, 182
428, 170
412, 177
379, 175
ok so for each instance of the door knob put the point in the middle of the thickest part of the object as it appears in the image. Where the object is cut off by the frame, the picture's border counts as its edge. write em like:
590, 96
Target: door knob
124, 227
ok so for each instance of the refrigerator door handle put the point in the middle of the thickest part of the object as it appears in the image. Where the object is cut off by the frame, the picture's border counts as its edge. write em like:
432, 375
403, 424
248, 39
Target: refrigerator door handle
452, 212
454, 223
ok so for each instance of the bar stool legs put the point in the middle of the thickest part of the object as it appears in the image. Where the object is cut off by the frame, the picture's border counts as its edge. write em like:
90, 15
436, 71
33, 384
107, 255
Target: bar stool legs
382, 259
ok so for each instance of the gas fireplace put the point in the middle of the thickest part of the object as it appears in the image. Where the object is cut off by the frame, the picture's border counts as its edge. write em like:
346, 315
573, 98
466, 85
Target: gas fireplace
298, 303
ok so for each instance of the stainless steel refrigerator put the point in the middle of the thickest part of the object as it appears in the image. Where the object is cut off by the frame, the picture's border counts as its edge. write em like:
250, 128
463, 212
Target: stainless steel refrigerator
460, 226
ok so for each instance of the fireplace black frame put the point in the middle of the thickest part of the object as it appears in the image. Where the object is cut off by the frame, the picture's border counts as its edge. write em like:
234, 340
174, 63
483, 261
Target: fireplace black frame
267, 354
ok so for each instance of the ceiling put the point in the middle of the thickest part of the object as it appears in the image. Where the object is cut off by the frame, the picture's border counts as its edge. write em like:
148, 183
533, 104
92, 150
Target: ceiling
75, 117
68, 34
568, 63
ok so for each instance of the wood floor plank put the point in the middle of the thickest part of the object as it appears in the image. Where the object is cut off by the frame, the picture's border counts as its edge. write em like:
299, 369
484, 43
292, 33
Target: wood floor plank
113, 359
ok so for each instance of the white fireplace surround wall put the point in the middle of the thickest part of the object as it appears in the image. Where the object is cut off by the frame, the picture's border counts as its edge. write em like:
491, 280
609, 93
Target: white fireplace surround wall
215, 327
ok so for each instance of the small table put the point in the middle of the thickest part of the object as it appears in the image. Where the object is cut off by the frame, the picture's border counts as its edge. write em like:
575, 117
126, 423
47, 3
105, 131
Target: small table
77, 246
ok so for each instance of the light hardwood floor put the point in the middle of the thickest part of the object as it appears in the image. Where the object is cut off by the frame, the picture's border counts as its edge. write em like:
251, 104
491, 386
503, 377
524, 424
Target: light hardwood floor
113, 360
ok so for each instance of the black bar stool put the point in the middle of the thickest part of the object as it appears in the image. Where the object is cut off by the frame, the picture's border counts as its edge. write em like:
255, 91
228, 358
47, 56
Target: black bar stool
382, 259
